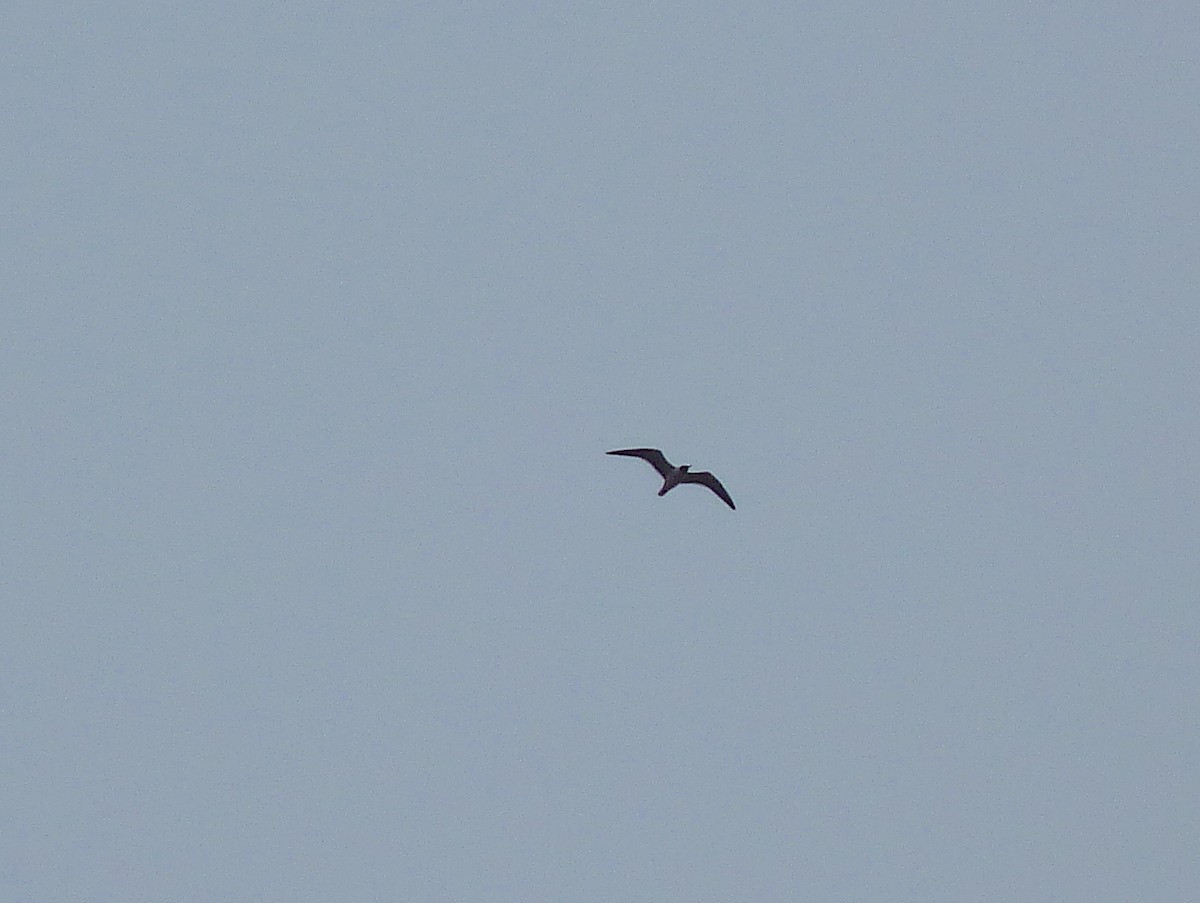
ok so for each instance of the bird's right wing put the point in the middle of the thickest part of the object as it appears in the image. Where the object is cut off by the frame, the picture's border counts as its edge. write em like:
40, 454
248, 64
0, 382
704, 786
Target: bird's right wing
704, 478
653, 456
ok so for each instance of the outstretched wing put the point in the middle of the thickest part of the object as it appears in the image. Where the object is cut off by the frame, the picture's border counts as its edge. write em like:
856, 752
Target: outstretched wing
655, 458
704, 478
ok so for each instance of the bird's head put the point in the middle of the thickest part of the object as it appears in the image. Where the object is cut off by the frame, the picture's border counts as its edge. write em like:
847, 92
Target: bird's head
683, 468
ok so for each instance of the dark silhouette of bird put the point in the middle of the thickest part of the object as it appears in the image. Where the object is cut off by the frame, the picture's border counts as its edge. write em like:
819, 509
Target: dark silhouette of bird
673, 476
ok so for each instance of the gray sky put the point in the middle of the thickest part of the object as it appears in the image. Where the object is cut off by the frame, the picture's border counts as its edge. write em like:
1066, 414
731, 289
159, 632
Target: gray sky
320, 317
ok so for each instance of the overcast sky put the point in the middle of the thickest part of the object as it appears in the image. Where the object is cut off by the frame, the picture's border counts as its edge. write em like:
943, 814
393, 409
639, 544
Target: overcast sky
318, 320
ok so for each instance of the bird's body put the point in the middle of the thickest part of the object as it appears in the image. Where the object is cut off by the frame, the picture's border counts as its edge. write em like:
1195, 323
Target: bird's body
673, 476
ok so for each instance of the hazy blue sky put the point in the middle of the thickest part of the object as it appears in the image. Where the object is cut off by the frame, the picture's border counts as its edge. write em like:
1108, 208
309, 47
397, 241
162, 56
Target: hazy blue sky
319, 319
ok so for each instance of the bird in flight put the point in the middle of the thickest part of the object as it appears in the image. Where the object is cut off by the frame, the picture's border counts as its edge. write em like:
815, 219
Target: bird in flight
673, 476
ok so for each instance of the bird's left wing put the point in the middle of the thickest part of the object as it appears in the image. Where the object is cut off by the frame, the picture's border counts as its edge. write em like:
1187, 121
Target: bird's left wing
652, 456
704, 478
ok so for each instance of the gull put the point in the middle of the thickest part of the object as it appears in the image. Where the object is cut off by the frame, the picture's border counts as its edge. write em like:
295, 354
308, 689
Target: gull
673, 476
